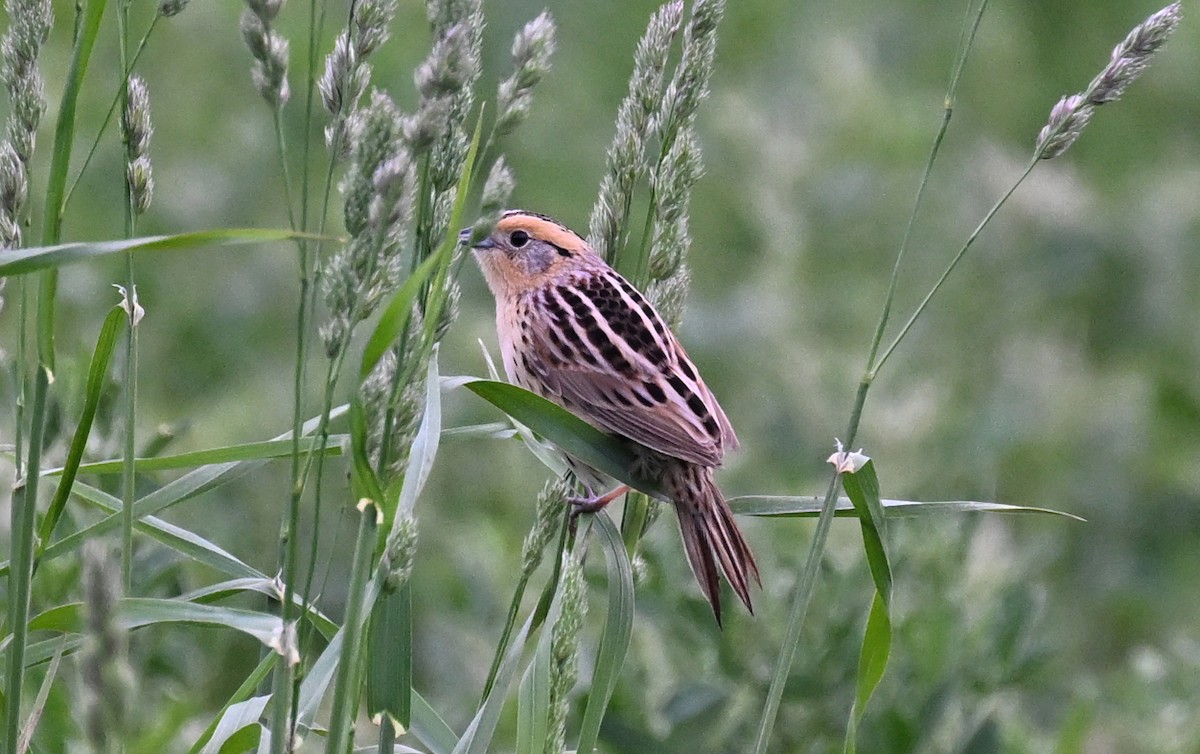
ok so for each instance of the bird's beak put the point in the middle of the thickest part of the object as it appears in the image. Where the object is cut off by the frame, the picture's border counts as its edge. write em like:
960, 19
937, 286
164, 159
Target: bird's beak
464, 238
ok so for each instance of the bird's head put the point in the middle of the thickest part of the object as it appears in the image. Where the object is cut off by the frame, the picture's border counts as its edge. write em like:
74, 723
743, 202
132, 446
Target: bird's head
525, 250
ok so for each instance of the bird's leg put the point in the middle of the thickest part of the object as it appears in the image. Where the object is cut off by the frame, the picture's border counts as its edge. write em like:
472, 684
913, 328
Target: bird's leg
593, 503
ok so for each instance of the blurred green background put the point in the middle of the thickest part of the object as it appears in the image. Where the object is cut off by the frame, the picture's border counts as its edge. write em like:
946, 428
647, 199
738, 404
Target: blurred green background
1058, 368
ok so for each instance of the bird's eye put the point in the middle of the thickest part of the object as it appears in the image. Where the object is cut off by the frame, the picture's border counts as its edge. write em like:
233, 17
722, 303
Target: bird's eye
518, 238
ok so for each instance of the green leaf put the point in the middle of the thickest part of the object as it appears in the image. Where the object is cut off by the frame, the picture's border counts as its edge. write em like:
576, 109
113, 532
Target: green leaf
872, 662
346, 689
390, 662
862, 487
249, 684
251, 451
476, 739
598, 449
136, 612
363, 478
533, 701
429, 728
189, 485
618, 630
19, 261
259, 585
234, 719
808, 506
181, 540
394, 320
425, 444
97, 373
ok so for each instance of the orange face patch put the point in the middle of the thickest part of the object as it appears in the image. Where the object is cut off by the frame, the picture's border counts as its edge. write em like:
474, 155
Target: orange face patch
540, 227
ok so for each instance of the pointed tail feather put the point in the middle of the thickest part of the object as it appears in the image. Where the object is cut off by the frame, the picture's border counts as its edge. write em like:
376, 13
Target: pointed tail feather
710, 535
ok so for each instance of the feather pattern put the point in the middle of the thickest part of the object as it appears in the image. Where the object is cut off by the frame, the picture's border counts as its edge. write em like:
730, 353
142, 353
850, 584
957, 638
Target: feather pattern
577, 333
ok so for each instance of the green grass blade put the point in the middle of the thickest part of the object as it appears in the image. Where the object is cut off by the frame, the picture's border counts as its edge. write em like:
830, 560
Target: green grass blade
862, 487
533, 702
618, 631
249, 684
316, 683
186, 487
394, 320
390, 663
189, 485
22, 518
425, 444
346, 690
809, 506
183, 541
569, 432
234, 719
259, 585
429, 728
34, 258
478, 735
137, 612
250, 451
97, 372
872, 662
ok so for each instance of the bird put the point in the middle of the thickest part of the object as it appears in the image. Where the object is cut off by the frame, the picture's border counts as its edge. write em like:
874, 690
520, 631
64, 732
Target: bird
575, 332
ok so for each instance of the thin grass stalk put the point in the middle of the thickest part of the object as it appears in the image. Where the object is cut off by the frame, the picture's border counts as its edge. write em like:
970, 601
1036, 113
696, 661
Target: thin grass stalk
947, 112
112, 109
22, 516
345, 693
64, 134
128, 475
808, 576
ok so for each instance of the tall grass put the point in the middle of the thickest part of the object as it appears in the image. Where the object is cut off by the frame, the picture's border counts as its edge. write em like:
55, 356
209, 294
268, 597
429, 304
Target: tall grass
376, 233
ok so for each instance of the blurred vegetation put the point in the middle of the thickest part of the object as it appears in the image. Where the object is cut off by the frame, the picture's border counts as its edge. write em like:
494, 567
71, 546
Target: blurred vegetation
1058, 368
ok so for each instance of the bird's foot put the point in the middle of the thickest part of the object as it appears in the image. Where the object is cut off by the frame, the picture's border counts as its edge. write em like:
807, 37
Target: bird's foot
593, 503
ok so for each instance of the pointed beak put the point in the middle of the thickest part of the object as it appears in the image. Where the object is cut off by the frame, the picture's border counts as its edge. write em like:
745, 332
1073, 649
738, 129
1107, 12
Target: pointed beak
464, 238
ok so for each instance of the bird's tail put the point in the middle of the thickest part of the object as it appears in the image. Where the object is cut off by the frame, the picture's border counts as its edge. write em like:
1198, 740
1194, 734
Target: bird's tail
710, 535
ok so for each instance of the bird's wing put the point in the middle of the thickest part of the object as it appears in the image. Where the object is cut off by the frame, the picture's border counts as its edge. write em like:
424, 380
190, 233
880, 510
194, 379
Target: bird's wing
601, 350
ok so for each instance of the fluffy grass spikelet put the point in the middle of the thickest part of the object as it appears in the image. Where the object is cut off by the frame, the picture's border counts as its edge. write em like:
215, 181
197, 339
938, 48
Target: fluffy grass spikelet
1129, 59
564, 651
138, 129
531, 51
626, 161
378, 191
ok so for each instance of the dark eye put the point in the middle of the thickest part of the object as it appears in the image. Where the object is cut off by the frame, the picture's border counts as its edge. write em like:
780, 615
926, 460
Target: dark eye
518, 238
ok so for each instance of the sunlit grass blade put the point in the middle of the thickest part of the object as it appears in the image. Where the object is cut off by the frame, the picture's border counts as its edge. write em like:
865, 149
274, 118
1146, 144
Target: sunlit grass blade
234, 720
97, 373
249, 684
250, 451
618, 630
575, 436
810, 506
34, 258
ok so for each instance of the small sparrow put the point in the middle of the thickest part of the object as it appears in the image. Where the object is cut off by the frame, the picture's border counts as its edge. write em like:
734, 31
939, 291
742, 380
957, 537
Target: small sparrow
575, 332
